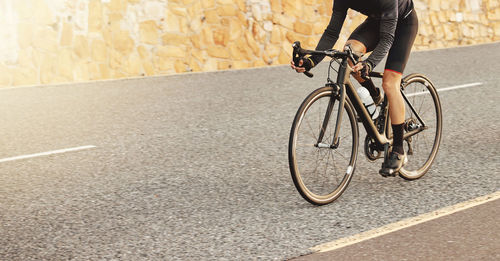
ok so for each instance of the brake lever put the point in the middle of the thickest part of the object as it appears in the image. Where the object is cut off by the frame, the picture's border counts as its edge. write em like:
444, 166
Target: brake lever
351, 56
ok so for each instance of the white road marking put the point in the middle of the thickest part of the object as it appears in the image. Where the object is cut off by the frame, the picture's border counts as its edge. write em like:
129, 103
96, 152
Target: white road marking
47, 153
468, 85
460, 86
377, 232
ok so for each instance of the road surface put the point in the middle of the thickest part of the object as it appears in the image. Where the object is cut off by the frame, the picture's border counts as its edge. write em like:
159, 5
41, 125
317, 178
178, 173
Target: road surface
195, 167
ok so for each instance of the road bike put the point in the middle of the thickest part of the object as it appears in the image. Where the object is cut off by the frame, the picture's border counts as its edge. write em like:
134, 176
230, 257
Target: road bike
324, 137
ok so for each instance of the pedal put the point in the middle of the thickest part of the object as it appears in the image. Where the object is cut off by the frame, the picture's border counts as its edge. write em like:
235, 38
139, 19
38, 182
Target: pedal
390, 174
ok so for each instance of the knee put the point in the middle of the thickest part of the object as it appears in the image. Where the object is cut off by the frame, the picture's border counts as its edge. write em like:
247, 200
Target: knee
391, 82
357, 46
390, 87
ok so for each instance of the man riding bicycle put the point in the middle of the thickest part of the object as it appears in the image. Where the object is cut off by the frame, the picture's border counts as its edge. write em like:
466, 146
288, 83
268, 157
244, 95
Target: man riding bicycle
390, 28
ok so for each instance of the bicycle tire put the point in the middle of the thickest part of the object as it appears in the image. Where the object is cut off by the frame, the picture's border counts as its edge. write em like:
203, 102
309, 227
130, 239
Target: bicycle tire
318, 183
422, 94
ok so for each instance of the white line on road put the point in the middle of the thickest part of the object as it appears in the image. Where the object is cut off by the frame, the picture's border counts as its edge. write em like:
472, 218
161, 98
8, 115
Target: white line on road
47, 153
377, 232
460, 86
468, 85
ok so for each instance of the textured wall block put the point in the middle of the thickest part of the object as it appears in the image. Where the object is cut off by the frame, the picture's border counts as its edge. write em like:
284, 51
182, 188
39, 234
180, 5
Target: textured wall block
95, 39
81, 47
24, 76
303, 28
226, 10
218, 52
166, 52
99, 51
149, 32
96, 16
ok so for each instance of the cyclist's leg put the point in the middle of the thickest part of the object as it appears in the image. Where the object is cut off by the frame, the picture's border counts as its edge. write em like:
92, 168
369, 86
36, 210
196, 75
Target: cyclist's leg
406, 32
396, 159
397, 58
390, 83
396, 62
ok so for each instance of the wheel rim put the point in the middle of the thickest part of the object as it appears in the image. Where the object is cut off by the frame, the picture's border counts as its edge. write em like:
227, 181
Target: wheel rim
323, 173
421, 94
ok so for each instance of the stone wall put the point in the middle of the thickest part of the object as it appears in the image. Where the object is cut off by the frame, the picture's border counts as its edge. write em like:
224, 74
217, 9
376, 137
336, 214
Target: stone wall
56, 41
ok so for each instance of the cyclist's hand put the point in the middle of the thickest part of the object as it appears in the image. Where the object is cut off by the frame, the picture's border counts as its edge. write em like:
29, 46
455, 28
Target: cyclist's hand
358, 67
362, 69
304, 65
298, 68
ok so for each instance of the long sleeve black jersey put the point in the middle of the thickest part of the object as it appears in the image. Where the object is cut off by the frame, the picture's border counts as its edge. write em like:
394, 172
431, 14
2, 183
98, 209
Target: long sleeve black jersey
386, 12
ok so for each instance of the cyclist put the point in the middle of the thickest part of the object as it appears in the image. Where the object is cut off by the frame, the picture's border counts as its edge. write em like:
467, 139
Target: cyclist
390, 28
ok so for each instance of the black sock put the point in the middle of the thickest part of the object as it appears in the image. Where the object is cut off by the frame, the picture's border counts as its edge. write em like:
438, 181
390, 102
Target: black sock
397, 134
374, 91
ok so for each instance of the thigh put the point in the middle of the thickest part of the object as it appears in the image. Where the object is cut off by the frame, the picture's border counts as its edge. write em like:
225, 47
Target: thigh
399, 53
367, 33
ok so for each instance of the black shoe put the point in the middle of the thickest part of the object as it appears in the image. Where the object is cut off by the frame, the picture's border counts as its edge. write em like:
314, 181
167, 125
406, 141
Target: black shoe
394, 163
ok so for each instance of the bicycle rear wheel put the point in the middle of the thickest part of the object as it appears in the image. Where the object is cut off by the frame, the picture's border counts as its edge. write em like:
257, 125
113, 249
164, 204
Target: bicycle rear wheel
421, 95
321, 172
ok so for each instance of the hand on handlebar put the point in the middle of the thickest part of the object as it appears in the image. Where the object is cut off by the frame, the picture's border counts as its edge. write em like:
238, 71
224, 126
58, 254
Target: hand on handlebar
302, 66
362, 69
298, 68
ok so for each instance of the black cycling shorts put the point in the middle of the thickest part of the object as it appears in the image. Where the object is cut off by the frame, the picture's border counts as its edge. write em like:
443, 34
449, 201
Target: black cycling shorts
406, 31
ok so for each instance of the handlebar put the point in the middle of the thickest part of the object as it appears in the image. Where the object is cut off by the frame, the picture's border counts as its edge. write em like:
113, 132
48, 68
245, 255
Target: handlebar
299, 53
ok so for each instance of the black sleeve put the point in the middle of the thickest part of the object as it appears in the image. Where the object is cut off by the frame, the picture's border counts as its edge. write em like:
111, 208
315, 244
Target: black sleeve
388, 23
331, 34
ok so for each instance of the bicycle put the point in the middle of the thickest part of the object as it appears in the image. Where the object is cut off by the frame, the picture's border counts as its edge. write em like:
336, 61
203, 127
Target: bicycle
320, 133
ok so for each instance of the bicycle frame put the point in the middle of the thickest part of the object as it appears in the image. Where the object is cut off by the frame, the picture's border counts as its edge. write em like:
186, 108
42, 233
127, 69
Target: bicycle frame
346, 88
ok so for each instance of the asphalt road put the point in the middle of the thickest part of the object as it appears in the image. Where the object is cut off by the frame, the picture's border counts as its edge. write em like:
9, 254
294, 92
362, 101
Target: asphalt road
194, 166
470, 234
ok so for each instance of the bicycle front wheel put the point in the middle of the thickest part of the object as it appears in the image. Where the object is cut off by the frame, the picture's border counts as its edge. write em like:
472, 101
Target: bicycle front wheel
423, 111
321, 169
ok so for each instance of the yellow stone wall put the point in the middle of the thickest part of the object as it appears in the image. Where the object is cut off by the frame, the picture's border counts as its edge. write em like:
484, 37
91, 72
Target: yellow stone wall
57, 41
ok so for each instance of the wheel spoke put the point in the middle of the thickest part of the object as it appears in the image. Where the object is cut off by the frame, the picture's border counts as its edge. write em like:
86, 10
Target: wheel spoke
312, 131
423, 144
318, 172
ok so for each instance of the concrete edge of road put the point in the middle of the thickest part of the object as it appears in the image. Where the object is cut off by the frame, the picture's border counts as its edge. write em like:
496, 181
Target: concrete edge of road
196, 73
343, 242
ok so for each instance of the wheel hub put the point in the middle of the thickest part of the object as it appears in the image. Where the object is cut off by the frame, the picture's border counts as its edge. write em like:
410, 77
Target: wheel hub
411, 124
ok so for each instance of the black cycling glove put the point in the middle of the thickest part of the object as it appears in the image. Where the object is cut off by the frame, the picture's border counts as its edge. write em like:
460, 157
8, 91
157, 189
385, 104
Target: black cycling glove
307, 63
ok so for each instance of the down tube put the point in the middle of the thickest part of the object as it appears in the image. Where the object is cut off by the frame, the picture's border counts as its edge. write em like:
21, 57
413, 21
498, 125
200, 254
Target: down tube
370, 128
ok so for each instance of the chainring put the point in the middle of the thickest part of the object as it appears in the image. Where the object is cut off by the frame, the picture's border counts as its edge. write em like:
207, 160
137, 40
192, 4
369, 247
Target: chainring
371, 151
